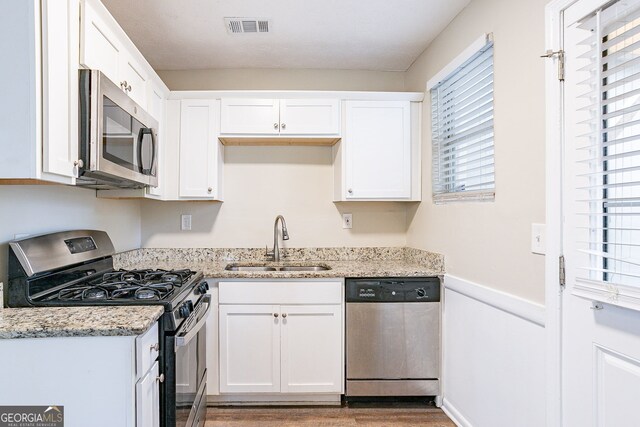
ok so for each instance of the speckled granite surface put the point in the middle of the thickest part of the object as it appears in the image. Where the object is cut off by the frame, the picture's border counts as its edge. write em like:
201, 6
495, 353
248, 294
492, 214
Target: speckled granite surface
343, 262
49, 322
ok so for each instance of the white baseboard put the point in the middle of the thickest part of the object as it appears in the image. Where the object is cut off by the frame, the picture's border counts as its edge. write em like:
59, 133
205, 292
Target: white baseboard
454, 414
493, 372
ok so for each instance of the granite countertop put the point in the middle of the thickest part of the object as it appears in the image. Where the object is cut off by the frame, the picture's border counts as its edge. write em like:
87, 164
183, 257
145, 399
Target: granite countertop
50, 322
342, 262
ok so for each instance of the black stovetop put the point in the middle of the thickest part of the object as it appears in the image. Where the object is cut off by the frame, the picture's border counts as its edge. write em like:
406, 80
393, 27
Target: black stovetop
126, 286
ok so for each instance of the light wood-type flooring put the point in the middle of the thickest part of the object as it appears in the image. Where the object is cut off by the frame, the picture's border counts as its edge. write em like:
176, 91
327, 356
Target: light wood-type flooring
427, 416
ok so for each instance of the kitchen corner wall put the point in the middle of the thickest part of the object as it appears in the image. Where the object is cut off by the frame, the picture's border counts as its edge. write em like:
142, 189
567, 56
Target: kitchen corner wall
37, 209
489, 243
262, 182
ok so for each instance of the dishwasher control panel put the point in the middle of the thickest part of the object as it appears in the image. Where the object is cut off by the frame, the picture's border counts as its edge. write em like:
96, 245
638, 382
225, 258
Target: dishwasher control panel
413, 289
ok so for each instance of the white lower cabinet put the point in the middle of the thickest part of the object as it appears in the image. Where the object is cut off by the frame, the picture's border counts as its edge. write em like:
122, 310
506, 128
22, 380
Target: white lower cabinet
148, 399
249, 349
102, 381
309, 337
295, 347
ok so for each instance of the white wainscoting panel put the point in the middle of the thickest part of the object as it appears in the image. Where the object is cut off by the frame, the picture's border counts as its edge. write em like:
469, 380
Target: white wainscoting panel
494, 357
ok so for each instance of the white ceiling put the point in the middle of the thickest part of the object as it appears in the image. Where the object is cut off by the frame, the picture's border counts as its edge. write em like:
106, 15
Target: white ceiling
336, 34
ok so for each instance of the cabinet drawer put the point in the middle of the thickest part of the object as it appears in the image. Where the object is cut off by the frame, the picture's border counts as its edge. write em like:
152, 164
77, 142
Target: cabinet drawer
275, 292
147, 350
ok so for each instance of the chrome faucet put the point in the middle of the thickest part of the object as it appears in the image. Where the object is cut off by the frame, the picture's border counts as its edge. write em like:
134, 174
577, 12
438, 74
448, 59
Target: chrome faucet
275, 253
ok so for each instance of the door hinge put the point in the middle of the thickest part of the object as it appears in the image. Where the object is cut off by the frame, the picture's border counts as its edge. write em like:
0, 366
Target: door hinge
562, 271
550, 53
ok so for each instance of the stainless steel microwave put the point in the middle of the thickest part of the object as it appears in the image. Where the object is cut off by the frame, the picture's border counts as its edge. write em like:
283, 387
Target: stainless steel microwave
118, 139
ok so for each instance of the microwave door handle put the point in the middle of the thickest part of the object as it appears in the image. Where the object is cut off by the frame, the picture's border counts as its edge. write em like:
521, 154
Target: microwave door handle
141, 134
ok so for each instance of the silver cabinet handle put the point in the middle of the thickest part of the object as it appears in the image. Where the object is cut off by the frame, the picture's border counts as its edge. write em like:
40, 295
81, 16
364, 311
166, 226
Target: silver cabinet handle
284, 315
155, 347
128, 89
79, 163
209, 190
123, 84
275, 314
275, 126
283, 126
160, 378
350, 191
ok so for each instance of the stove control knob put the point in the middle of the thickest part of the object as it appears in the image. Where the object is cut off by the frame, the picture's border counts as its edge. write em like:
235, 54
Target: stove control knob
185, 309
421, 293
202, 288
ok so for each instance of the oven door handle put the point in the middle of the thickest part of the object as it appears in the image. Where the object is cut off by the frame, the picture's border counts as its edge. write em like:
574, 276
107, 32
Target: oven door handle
184, 337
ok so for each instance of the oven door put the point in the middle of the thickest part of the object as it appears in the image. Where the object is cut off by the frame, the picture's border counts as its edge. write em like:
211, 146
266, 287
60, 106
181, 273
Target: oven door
123, 137
190, 367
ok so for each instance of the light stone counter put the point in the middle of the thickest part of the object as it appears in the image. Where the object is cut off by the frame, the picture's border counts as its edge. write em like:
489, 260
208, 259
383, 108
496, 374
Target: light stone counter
49, 322
343, 262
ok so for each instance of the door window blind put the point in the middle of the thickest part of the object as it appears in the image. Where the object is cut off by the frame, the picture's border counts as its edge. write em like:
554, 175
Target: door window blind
608, 154
462, 131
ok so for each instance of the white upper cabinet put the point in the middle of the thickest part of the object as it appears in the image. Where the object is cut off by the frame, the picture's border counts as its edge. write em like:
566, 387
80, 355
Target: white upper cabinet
250, 116
39, 87
201, 155
309, 117
378, 157
280, 117
104, 46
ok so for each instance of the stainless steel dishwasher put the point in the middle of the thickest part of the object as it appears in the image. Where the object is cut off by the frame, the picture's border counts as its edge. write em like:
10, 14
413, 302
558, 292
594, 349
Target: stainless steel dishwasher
393, 337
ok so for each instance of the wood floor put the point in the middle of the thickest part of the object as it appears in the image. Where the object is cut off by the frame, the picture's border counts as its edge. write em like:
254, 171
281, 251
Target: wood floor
427, 416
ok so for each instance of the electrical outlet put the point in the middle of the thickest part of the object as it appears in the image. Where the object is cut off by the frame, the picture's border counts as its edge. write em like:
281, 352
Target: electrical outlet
185, 222
347, 220
538, 238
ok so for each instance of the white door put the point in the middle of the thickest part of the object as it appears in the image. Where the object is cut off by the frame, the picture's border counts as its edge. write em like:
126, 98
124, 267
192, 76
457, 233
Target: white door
132, 74
313, 117
311, 349
378, 150
250, 116
249, 348
99, 46
148, 399
60, 87
601, 208
199, 149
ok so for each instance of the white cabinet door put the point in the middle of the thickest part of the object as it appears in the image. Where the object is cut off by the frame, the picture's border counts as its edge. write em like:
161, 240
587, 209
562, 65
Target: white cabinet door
249, 348
200, 150
100, 48
59, 87
250, 116
311, 349
309, 117
148, 399
377, 150
135, 79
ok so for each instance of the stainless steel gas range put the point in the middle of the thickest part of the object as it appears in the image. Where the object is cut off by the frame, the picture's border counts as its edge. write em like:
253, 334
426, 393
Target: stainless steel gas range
76, 268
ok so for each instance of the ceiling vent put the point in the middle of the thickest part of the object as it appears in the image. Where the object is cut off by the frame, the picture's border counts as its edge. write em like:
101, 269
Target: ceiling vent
247, 25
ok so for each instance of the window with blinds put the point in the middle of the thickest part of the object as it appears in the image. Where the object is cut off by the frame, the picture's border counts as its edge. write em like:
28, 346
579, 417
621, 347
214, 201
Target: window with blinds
462, 131
608, 154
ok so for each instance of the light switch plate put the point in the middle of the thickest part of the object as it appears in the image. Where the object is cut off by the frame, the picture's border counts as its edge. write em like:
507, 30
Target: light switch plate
538, 238
185, 222
347, 220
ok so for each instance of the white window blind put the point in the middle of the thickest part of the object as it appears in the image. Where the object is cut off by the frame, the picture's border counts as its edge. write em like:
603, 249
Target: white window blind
462, 131
607, 182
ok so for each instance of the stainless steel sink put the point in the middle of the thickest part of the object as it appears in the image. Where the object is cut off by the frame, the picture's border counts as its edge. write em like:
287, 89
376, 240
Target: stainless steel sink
305, 268
234, 267
241, 267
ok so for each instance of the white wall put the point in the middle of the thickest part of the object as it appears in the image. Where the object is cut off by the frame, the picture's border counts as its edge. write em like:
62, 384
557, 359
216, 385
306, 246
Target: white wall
262, 182
36, 209
489, 243
494, 357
